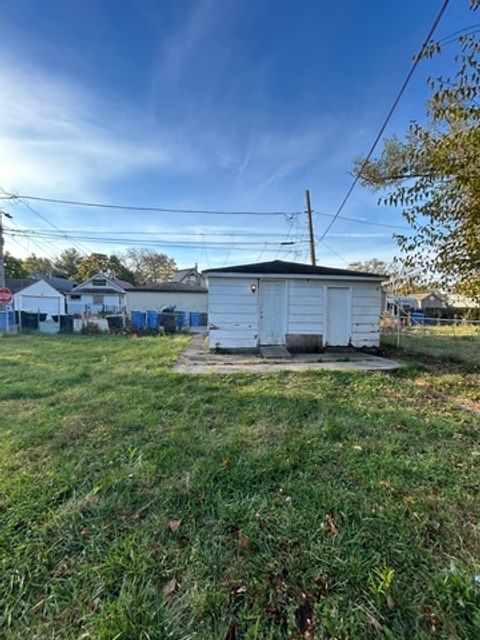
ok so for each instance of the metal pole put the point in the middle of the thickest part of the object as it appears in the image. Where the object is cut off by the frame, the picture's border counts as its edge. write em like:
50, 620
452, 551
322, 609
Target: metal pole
308, 211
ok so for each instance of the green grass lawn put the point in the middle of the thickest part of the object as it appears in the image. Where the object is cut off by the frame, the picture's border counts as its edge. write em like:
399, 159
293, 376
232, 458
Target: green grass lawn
457, 344
136, 503
449, 359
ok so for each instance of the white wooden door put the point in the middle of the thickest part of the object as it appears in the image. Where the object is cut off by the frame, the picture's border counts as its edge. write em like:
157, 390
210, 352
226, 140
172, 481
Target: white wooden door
339, 316
272, 311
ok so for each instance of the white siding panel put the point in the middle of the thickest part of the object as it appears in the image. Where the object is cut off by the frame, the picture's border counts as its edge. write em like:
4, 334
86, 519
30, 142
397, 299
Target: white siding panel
366, 309
305, 307
233, 307
233, 310
233, 313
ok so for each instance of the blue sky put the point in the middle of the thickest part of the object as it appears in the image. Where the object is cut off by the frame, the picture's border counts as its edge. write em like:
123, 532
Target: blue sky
208, 104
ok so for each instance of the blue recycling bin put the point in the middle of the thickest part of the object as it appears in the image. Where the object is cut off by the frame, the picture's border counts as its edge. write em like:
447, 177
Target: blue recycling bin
194, 319
416, 318
153, 320
139, 320
181, 319
7, 320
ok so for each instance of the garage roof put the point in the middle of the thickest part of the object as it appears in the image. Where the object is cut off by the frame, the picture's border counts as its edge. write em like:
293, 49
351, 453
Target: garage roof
281, 267
17, 284
176, 287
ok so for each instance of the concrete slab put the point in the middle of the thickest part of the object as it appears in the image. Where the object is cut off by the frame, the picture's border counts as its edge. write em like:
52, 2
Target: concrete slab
275, 352
197, 359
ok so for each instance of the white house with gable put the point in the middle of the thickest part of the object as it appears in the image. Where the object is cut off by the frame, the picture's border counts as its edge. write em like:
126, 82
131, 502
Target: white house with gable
99, 294
301, 306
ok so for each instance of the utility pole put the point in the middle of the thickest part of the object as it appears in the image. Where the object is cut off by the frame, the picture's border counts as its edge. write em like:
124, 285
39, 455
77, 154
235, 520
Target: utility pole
308, 211
2, 263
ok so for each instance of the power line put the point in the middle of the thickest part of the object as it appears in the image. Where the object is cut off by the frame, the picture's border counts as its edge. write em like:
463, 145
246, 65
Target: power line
333, 251
41, 233
153, 243
460, 31
160, 233
42, 217
83, 250
104, 205
33, 241
416, 60
361, 221
289, 215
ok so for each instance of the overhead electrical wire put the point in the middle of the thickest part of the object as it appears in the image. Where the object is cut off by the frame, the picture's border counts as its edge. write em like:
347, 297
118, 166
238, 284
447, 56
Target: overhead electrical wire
332, 251
289, 215
104, 205
361, 221
157, 243
77, 245
160, 233
461, 31
44, 233
32, 240
390, 113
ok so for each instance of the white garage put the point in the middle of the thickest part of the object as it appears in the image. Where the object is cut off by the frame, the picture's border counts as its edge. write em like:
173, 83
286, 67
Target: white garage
154, 297
301, 306
40, 297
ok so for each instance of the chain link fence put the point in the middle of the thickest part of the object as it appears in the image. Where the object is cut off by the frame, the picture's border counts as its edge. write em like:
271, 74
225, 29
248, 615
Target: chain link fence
455, 339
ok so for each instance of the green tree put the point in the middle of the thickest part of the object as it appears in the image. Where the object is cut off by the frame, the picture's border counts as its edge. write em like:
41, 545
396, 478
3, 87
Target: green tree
14, 267
35, 265
102, 263
150, 266
68, 263
118, 268
374, 265
434, 175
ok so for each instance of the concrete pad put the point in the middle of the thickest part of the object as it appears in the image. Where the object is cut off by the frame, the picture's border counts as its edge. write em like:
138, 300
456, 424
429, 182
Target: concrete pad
197, 359
275, 352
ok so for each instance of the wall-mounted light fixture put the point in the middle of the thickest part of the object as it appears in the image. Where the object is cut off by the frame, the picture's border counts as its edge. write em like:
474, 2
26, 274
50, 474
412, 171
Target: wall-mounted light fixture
253, 288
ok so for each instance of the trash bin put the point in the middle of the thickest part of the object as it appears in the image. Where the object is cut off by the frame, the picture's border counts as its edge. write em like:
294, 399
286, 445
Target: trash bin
416, 318
115, 323
153, 320
139, 320
181, 320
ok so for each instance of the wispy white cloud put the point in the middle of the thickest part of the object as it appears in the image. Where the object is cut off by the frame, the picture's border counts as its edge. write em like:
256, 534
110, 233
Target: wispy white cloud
58, 138
180, 47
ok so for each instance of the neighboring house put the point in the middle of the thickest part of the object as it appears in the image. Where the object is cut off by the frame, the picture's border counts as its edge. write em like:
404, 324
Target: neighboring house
301, 306
40, 295
429, 300
190, 276
405, 303
154, 297
99, 294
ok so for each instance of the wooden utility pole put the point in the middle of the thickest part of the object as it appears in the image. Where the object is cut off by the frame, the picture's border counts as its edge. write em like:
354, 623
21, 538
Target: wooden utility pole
308, 211
2, 263
3, 307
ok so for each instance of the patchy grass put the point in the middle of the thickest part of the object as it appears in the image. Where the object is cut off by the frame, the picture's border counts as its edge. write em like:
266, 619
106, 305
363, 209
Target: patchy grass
452, 344
444, 359
321, 504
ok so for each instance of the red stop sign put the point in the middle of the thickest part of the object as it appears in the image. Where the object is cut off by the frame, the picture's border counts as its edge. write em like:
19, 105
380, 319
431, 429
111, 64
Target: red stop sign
5, 295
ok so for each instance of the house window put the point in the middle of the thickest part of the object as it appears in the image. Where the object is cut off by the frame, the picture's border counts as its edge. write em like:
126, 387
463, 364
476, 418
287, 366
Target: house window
75, 296
97, 299
99, 282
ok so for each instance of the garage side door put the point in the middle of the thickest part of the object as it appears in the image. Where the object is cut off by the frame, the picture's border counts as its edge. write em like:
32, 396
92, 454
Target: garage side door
339, 316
